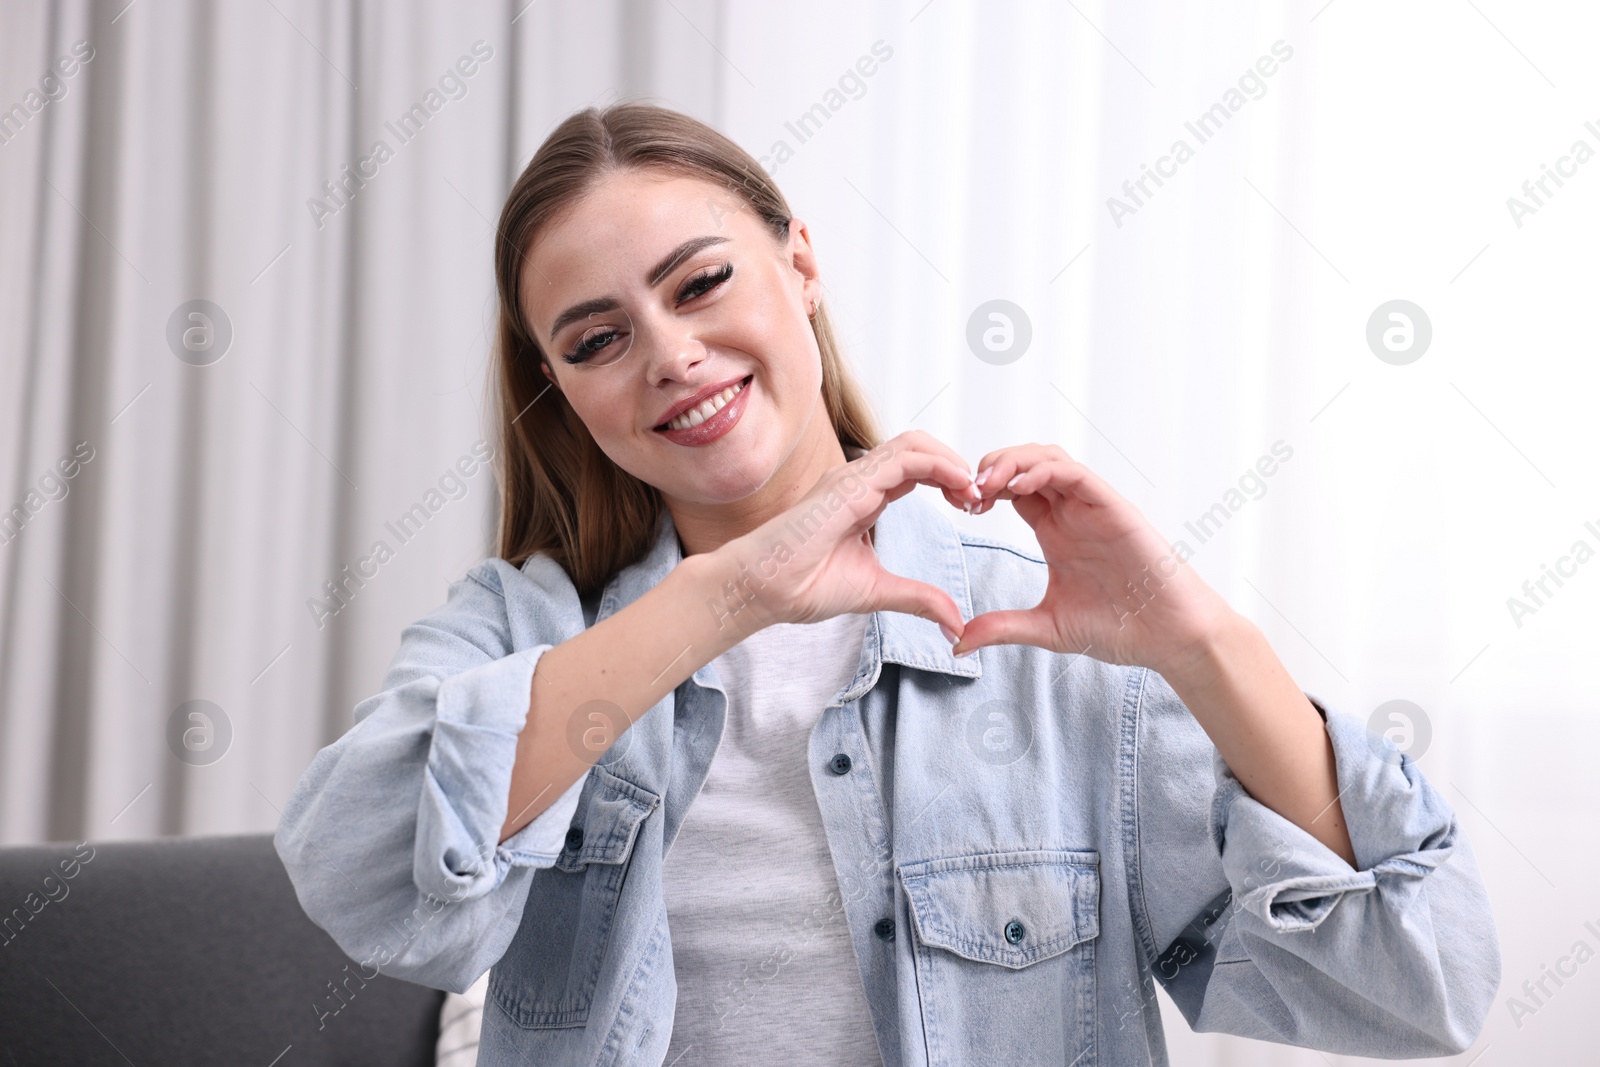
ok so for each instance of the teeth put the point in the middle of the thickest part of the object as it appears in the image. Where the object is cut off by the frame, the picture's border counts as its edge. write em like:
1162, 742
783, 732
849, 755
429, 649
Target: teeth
707, 408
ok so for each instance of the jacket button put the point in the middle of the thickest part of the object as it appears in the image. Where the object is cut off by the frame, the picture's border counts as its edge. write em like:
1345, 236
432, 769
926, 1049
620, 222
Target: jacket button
1014, 931
839, 764
574, 839
884, 928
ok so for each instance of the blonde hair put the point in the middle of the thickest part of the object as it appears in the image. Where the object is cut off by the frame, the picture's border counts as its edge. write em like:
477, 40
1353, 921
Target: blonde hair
559, 493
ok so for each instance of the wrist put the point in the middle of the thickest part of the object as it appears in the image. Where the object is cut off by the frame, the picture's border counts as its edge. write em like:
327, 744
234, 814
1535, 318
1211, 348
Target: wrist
728, 601
1203, 663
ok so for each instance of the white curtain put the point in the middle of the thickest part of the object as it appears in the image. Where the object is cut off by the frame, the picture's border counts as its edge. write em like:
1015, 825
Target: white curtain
1340, 156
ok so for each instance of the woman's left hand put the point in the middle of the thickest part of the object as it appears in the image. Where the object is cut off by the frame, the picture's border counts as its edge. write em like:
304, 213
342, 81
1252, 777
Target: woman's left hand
1117, 591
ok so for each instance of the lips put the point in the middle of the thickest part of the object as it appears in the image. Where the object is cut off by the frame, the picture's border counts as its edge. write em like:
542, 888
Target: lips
718, 424
691, 402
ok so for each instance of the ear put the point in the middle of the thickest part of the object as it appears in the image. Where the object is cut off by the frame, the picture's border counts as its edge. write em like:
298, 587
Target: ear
803, 258
546, 368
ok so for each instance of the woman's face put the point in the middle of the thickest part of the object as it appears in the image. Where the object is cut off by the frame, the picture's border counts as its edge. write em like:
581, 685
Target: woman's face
678, 282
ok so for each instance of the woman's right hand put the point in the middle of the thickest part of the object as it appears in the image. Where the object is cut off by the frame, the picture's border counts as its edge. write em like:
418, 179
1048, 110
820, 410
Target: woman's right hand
816, 559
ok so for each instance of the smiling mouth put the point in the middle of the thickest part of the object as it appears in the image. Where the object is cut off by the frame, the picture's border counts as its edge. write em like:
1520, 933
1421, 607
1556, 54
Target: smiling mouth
706, 408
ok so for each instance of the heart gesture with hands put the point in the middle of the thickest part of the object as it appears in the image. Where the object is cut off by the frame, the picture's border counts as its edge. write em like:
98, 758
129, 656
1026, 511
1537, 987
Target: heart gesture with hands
1116, 589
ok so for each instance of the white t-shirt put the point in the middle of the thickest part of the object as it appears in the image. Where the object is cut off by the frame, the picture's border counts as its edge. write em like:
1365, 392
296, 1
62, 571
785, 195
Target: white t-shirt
765, 966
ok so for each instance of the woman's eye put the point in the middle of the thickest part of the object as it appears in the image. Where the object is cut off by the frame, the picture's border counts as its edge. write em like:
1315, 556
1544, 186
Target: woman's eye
593, 341
599, 338
703, 283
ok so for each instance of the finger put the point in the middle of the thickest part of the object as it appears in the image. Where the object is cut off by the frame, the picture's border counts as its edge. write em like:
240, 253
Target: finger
888, 497
922, 441
1000, 466
997, 472
892, 592
966, 500
1025, 627
869, 487
1030, 453
891, 495
926, 468
1065, 477
911, 443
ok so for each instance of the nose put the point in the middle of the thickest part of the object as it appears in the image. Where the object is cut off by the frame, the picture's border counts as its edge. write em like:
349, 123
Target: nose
670, 349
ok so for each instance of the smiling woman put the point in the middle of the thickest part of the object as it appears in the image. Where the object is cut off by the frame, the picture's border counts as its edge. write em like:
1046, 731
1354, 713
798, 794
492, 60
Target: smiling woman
725, 286
878, 804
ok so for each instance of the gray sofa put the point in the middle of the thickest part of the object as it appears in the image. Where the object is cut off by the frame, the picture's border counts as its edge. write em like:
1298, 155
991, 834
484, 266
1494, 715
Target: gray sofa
186, 950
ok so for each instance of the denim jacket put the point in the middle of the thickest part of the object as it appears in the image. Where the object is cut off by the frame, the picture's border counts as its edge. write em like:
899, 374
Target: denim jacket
1049, 837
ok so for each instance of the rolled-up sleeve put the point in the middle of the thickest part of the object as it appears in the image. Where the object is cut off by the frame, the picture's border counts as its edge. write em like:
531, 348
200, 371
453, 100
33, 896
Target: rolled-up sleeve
467, 780
391, 837
1256, 928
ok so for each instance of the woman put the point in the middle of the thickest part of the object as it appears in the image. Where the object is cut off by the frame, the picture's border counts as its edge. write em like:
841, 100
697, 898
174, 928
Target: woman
708, 763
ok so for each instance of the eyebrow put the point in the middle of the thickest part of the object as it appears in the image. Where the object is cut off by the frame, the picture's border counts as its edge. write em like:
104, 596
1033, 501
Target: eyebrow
659, 271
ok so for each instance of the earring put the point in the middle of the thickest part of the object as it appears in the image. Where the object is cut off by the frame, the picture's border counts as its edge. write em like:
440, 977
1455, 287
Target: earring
814, 304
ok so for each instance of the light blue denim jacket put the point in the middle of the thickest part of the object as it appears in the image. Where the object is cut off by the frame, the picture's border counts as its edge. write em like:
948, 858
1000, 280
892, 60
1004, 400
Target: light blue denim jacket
1052, 837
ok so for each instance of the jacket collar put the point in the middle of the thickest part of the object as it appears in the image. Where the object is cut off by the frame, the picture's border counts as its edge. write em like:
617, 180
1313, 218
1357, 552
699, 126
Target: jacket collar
912, 539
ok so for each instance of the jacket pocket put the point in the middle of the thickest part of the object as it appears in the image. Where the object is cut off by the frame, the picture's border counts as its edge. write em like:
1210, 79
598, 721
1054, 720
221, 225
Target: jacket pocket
1005, 955
547, 977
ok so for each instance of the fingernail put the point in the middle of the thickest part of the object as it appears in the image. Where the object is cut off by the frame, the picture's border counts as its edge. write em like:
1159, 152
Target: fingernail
949, 634
983, 476
1012, 483
964, 655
